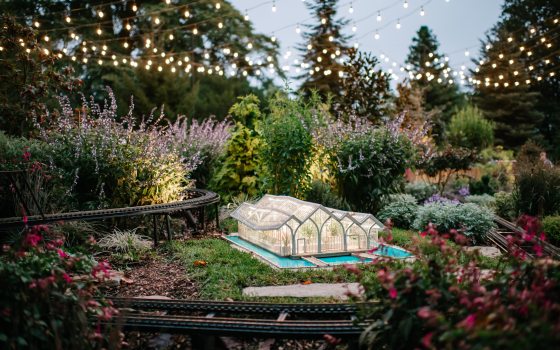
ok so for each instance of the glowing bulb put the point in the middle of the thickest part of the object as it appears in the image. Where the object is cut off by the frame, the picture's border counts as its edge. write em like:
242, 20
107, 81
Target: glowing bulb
273, 6
323, 20
273, 39
187, 14
218, 6
100, 14
467, 52
128, 26
398, 26
99, 31
36, 24
168, 2
510, 39
125, 44
376, 36
378, 16
331, 38
405, 4
298, 30
422, 13
220, 25
171, 37
195, 31
46, 38
134, 7
354, 28
156, 20
250, 46
246, 17
68, 19
351, 9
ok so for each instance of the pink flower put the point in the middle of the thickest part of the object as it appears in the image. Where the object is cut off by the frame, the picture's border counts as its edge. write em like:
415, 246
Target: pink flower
102, 267
62, 254
392, 293
32, 239
468, 322
67, 278
538, 250
427, 340
26, 155
25, 219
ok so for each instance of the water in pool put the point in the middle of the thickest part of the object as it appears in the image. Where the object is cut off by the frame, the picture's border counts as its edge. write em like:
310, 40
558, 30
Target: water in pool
279, 261
343, 259
392, 252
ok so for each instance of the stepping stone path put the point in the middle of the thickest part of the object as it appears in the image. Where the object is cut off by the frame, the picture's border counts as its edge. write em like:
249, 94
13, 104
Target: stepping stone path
490, 252
335, 290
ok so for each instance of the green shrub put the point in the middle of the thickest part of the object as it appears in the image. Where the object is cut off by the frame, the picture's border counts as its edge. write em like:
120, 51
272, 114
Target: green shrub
322, 193
551, 226
482, 186
49, 297
288, 146
537, 185
483, 200
468, 128
420, 190
505, 205
241, 171
473, 221
400, 208
370, 166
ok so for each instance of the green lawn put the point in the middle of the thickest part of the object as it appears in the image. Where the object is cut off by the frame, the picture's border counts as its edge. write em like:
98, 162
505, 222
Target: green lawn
228, 270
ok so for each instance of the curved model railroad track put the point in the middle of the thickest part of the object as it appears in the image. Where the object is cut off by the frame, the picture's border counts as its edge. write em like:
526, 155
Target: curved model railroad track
498, 238
242, 319
201, 199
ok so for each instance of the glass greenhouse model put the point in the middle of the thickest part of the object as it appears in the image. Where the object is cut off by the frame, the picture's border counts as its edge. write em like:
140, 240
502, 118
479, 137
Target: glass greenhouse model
290, 227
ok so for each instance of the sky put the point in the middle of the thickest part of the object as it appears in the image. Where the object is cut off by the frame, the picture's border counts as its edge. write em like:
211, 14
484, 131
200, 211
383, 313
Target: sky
458, 25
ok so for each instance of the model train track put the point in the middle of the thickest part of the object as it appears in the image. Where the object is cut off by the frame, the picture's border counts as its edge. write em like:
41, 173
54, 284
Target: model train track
201, 199
240, 319
498, 237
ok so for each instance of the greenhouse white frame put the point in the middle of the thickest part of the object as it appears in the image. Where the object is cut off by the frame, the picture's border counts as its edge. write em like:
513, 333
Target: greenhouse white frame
289, 226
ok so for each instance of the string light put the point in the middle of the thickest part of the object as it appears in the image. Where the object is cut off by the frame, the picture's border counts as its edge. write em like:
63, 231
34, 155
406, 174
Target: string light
187, 13
405, 4
156, 20
134, 7
68, 19
351, 9
36, 24
218, 5
298, 30
422, 13
273, 6
398, 26
378, 16
376, 36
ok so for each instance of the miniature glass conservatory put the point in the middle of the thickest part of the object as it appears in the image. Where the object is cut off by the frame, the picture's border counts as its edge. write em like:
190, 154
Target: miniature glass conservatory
288, 226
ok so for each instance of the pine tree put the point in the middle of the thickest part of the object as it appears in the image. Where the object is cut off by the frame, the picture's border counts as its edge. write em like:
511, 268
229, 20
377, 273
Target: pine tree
431, 73
324, 49
365, 89
503, 94
526, 22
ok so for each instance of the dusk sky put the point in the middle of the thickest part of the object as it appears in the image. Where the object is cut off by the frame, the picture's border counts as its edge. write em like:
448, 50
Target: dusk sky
458, 25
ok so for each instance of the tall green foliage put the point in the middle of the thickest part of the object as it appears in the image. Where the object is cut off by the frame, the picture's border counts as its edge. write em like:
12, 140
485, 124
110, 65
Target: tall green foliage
241, 172
469, 129
371, 166
288, 146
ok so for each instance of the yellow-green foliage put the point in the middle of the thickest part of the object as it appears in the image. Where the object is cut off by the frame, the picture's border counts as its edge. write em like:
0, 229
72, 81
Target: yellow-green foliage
469, 129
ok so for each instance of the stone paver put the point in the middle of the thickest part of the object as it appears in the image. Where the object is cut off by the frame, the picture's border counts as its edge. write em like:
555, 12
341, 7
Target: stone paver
335, 290
491, 252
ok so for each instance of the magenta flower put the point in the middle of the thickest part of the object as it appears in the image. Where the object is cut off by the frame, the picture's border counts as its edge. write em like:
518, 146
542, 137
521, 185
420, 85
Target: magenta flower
62, 254
468, 322
393, 293
427, 340
424, 312
67, 278
32, 239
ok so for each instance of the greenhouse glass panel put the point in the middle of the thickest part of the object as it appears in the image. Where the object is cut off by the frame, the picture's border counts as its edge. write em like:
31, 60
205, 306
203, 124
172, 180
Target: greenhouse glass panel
290, 227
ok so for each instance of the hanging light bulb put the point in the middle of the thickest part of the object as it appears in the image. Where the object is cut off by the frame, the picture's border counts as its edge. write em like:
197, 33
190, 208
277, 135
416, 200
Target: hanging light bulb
378, 16
246, 17
156, 20
298, 30
273, 6
398, 26
134, 7
100, 14
171, 37
422, 13
376, 36
168, 2
467, 52
125, 44
68, 19
36, 24
99, 31
220, 25
187, 13
195, 31
405, 4
218, 5
46, 38
323, 20
354, 28
128, 26
273, 38
351, 9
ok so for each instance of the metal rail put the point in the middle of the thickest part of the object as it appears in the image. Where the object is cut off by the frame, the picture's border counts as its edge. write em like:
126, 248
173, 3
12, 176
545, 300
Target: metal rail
237, 307
238, 318
203, 199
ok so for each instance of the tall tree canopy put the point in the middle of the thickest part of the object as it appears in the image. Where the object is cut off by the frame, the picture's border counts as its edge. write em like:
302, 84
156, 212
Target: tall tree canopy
432, 75
531, 108
193, 41
324, 49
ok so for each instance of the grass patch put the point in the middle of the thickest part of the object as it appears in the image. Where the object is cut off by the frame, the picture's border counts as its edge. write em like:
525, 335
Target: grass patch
228, 271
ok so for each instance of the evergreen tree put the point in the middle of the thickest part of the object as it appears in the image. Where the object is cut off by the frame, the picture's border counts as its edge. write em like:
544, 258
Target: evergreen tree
537, 104
324, 50
365, 89
504, 96
432, 74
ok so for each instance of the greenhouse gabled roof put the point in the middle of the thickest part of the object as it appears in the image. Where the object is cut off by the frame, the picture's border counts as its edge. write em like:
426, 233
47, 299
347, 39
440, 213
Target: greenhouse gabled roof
272, 212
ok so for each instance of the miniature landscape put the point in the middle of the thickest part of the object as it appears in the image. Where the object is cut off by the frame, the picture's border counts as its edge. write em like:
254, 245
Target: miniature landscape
171, 177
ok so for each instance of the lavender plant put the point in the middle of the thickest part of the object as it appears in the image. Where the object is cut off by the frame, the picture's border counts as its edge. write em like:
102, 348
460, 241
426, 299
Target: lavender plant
111, 163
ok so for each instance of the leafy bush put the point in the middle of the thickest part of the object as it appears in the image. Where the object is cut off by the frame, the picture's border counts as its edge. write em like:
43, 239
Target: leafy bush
505, 205
468, 128
482, 186
400, 208
420, 190
288, 146
537, 185
483, 200
322, 193
370, 166
473, 221
551, 226
444, 301
49, 297
241, 170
